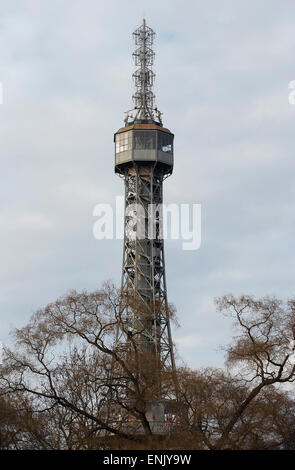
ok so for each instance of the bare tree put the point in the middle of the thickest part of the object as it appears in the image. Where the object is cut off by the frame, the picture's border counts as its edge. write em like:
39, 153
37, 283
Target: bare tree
261, 354
71, 382
211, 399
69, 358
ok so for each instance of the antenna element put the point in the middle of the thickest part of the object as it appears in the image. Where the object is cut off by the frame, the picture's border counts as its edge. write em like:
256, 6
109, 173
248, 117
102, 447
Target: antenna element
144, 77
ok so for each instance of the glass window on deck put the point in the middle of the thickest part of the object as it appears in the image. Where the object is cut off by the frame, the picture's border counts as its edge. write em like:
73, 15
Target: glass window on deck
165, 142
144, 140
123, 142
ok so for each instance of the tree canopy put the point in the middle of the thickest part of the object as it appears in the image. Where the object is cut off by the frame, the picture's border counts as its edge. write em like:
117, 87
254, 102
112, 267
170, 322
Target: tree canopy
70, 382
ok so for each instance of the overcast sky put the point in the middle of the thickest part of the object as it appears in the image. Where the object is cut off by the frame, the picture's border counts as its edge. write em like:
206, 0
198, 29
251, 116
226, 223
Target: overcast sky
222, 74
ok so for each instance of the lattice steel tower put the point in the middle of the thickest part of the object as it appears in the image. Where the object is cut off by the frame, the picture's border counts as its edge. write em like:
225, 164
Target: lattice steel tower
144, 158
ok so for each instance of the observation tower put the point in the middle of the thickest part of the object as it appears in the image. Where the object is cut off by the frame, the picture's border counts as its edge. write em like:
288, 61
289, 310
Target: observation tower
144, 159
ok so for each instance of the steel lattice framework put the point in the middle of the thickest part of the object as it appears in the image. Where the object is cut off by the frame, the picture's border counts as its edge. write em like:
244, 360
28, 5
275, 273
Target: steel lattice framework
143, 271
144, 76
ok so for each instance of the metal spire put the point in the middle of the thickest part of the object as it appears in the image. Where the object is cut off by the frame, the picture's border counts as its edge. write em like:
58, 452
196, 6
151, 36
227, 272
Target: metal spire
144, 76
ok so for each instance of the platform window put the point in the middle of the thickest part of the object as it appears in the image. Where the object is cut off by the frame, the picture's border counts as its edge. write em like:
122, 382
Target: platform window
123, 141
144, 140
165, 142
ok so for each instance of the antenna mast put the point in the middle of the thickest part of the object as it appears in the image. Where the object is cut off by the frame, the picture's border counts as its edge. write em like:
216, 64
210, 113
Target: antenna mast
144, 76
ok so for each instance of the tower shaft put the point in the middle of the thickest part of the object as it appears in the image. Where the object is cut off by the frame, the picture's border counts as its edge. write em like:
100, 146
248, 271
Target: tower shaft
143, 270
